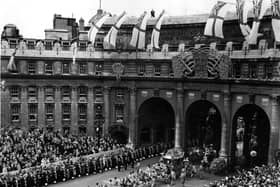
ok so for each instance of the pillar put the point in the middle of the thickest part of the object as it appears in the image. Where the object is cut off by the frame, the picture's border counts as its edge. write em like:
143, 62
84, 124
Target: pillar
132, 118
90, 112
57, 108
23, 67
274, 126
179, 126
41, 108
5, 104
226, 126
74, 111
106, 110
57, 68
40, 67
24, 108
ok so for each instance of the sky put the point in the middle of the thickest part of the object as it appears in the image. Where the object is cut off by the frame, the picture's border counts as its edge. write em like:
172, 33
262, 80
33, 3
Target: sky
32, 17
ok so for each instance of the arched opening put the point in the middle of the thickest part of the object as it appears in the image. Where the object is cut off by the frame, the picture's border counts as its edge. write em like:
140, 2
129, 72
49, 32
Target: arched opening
203, 125
156, 121
251, 130
119, 133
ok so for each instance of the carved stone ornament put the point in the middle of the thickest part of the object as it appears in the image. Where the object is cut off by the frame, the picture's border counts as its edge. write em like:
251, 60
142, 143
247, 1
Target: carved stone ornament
118, 69
201, 63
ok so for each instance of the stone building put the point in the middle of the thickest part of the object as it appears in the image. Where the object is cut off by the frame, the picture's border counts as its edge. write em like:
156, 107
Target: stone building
195, 91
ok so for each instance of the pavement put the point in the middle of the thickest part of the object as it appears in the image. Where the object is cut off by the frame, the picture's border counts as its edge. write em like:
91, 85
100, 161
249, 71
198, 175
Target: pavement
90, 181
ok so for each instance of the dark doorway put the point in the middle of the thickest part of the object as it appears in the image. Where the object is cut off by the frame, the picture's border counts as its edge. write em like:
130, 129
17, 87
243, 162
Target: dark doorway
156, 121
119, 133
251, 130
203, 125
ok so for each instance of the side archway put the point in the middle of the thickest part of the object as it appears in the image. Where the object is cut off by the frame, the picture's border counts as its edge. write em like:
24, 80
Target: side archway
251, 132
156, 121
203, 125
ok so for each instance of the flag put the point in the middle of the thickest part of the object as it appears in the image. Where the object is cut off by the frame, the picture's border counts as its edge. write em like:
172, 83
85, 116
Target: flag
214, 24
156, 31
138, 32
75, 49
242, 10
260, 7
110, 38
276, 19
11, 67
96, 25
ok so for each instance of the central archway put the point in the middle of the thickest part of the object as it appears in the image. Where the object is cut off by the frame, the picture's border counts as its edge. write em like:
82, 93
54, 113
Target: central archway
251, 132
156, 121
203, 125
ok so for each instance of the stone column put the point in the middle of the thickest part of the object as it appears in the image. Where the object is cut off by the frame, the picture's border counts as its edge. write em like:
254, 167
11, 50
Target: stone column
274, 126
106, 110
40, 67
57, 100
41, 107
24, 108
74, 111
226, 126
90, 112
179, 118
57, 68
5, 105
132, 118
23, 67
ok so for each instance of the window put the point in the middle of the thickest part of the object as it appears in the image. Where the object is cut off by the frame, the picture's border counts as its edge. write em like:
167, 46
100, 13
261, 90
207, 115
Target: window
65, 68
15, 111
268, 71
82, 91
157, 69
66, 111
65, 46
48, 45
49, 107
49, 92
15, 92
98, 111
237, 70
13, 44
83, 46
66, 92
253, 70
32, 112
82, 109
98, 92
120, 94
98, 68
48, 68
31, 67
141, 69
83, 68
119, 113
32, 92
31, 44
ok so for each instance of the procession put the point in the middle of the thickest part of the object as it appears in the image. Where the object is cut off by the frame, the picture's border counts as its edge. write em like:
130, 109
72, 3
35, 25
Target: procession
140, 93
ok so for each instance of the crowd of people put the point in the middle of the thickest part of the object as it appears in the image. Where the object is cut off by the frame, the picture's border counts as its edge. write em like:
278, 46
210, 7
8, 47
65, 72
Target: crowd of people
53, 154
21, 150
149, 176
266, 175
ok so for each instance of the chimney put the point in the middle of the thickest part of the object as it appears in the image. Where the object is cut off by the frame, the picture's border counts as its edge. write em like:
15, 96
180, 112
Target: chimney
82, 24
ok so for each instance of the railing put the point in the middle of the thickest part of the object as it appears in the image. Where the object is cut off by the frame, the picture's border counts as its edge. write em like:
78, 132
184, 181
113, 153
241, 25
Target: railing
234, 50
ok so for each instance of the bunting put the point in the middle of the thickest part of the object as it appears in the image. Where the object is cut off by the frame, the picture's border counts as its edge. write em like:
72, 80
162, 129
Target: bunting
11, 67
214, 24
242, 10
138, 32
156, 31
260, 7
276, 19
110, 38
95, 26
